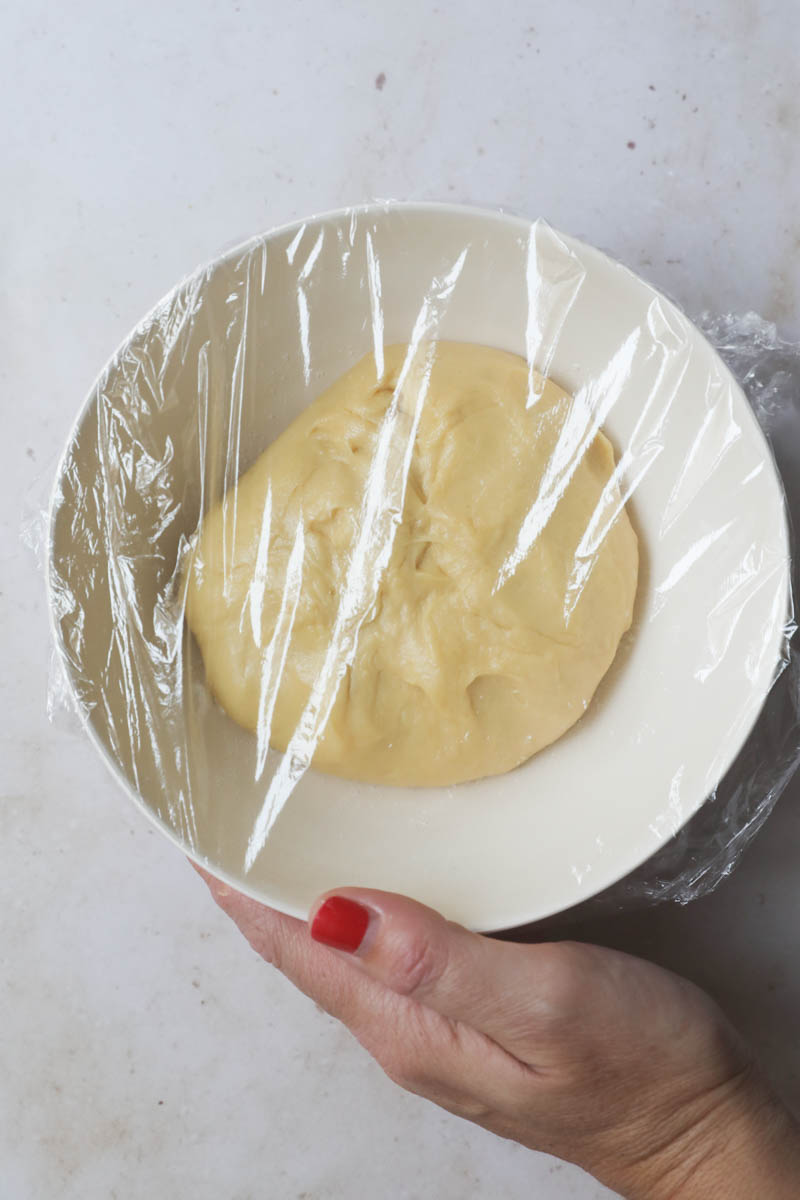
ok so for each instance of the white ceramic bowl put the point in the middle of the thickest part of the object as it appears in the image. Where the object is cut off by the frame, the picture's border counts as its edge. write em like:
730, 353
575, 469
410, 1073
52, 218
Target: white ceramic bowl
687, 684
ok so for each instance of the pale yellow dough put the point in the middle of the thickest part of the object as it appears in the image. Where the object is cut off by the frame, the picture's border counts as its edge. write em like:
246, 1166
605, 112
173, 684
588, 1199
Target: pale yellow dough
482, 633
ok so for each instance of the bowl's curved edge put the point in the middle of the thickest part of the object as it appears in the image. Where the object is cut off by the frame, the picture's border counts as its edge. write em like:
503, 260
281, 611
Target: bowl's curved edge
498, 921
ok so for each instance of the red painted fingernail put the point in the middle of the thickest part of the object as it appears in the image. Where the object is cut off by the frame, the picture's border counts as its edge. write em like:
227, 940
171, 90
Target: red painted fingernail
340, 923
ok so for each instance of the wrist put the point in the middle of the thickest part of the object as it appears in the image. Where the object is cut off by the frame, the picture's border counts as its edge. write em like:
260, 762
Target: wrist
738, 1144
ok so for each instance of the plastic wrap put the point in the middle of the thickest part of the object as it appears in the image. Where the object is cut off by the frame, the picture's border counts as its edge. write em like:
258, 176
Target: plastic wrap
672, 757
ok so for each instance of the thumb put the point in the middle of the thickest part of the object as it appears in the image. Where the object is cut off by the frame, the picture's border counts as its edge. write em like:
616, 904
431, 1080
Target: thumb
509, 992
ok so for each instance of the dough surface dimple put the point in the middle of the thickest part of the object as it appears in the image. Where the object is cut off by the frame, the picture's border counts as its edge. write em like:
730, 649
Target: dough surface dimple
508, 574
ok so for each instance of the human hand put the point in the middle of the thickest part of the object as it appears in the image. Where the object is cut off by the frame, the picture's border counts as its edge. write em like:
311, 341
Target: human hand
585, 1053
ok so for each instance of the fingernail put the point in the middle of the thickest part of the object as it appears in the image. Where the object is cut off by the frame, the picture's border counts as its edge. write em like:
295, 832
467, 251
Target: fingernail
340, 923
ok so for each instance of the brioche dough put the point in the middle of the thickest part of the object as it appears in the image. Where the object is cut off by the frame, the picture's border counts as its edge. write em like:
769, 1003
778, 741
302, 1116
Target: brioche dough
466, 635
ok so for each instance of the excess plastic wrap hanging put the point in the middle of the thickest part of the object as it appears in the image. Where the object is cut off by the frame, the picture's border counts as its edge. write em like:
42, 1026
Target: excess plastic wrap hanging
412, 666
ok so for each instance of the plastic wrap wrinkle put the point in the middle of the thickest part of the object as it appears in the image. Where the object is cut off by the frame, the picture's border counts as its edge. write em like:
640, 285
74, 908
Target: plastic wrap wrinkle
220, 369
382, 507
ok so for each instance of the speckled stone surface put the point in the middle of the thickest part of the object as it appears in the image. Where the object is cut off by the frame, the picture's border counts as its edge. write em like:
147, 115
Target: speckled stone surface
144, 1049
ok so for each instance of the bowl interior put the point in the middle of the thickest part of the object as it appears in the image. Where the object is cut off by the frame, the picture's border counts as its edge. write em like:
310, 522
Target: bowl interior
225, 362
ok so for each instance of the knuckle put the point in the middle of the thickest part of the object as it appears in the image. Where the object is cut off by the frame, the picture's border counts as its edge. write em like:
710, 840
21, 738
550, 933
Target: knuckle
469, 1108
268, 944
272, 955
402, 1072
560, 989
416, 1077
416, 967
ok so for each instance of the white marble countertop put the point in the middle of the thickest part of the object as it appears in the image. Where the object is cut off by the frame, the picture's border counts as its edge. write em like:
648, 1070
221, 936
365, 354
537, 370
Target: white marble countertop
144, 1050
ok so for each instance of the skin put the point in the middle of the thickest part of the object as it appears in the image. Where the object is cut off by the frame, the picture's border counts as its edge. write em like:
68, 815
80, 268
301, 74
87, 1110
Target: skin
585, 1053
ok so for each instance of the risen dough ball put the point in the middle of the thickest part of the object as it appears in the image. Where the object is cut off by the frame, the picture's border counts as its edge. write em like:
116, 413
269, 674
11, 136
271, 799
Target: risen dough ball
468, 642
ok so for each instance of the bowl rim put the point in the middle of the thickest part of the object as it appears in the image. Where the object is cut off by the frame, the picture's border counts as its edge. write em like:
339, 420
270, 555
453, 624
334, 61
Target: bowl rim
500, 216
